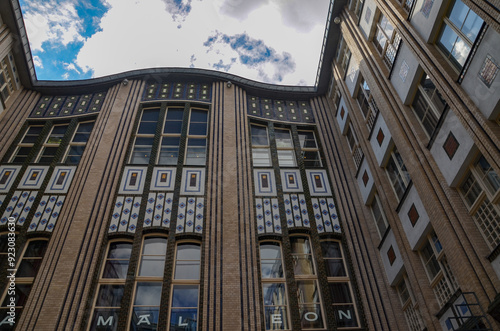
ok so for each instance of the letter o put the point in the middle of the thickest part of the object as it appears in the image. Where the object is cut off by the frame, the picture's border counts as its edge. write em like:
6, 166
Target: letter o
306, 316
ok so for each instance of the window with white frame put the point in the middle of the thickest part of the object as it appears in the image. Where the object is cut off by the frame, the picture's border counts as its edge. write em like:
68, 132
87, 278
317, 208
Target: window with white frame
308, 294
143, 143
185, 287
386, 40
367, 103
261, 153
171, 136
196, 144
148, 284
52, 143
378, 215
481, 192
409, 305
339, 283
357, 7
428, 105
27, 269
274, 290
8, 77
284, 146
111, 286
343, 55
309, 149
78, 142
438, 271
397, 173
356, 151
460, 29
26, 144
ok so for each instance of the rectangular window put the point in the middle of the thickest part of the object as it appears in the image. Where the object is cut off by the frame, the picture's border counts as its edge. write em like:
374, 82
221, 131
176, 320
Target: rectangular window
428, 105
273, 287
171, 137
52, 143
410, 308
480, 187
185, 287
339, 284
386, 40
397, 173
27, 269
309, 149
148, 286
367, 104
311, 316
196, 149
440, 276
460, 29
261, 153
111, 286
26, 144
284, 145
144, 138
378, 215
78, 143
356, 151
343, 55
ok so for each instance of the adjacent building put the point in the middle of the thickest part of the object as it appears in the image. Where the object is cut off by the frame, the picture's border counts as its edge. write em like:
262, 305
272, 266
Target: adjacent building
187, 199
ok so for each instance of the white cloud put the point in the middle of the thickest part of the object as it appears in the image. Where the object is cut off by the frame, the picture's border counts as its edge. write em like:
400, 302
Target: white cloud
52, 21
38, 61
168, 33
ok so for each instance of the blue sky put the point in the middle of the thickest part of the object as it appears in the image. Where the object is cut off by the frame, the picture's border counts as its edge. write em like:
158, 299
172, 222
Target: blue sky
274, 41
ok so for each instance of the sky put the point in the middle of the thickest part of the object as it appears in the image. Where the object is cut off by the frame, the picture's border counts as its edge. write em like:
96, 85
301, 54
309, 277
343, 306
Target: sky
271, 41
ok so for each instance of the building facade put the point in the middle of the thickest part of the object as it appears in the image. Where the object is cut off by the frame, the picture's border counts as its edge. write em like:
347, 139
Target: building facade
186, 199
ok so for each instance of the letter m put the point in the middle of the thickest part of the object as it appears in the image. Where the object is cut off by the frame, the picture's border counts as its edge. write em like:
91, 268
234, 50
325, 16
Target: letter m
101, 321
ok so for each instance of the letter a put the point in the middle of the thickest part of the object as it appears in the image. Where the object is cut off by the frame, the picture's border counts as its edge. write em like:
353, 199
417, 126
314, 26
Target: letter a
144, 319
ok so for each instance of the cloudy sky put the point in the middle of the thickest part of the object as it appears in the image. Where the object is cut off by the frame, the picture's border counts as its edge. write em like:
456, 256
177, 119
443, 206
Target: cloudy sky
273, 41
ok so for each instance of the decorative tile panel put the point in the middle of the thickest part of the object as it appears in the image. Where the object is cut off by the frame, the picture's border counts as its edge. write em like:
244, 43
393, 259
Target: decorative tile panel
47, 213
265, 183
180, 91
190, 215
33, 177
60, 106
292, 111
290, 180
325, 214
268, 216
193, 181
61, 179
8, 174
163, 179
296, 211
318, 182
158, 209
19, 206
133, 180
125, 214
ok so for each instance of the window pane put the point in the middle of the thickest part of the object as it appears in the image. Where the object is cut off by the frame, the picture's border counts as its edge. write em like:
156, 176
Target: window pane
147, 128
22, 293
261, 157
311, 159
36, 248
492, 179
185, 296
148, 294
458, 13
307, 139
110, 296
115, 269
340, 292
169, 150
183, 319
274, 294
152, 266
472, 26
198, 123
259, 136
286, 158
119, 250
28, 267
173, 123
283, 138
196, 151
